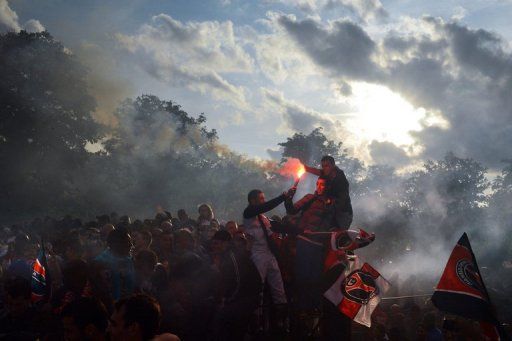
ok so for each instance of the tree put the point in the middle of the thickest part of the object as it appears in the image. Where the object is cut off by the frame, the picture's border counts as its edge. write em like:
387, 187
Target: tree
149, 124
447, 195
500, 213
45, 123
161, 155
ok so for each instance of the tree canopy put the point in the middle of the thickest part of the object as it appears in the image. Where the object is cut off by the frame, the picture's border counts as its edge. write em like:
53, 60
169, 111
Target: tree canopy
45, 123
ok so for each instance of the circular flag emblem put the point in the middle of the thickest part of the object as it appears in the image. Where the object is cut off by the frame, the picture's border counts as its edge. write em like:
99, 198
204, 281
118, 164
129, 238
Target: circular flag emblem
468, 275
359, 287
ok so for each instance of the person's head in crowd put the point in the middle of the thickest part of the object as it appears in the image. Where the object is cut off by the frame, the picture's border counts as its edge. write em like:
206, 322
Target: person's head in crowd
105, 231
205, 214
256, 197
141, 240
166, 226
220, 242
74, 275
321, 185
119, 242
182, 215
184, 241
124, 222
328, 165
84, 319
135, 318
166, 244
145, 262
18, 292
231, 227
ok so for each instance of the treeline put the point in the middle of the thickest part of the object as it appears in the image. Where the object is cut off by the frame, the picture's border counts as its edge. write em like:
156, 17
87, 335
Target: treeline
158, 154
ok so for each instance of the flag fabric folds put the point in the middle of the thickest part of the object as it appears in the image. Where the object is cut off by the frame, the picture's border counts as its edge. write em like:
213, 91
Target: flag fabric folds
343, 241
461, 290
40, 280
357, 292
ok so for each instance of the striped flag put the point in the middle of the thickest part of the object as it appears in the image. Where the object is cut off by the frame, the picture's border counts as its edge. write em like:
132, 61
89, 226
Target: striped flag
40, 279
357, 292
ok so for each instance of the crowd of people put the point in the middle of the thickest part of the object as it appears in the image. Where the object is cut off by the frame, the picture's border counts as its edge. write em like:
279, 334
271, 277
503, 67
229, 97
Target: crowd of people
174, 277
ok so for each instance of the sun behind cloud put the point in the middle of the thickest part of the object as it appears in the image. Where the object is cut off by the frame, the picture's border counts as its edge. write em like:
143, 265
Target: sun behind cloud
384, 116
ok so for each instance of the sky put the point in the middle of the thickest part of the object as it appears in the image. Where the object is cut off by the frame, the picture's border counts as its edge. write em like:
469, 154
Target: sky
398, 81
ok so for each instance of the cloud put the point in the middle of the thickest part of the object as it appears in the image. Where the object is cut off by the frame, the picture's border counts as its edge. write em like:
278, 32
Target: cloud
342, 49
364, 9
463, 74
278, 58
9, 21
386, 153
194, 55
298, 118
466, 76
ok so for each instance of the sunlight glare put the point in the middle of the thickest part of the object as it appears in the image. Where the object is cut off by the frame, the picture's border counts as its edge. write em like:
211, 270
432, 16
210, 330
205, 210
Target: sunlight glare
382, 115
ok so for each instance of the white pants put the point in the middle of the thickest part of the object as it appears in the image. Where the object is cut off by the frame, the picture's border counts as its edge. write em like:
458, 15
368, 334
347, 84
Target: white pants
269, 272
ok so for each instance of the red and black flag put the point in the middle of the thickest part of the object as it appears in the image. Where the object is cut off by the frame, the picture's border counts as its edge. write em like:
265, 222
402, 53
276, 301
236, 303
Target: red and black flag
357, 292
461, 290
40, 278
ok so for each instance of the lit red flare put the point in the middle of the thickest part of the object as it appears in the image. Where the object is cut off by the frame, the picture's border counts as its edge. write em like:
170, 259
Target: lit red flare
301, 171
292, 168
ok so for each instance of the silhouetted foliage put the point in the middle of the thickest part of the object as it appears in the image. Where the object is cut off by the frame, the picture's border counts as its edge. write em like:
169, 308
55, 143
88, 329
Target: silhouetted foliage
45, 124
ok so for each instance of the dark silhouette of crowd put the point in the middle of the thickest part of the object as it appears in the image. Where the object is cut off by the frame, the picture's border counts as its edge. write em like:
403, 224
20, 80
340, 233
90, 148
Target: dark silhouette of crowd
175, 277
166, 278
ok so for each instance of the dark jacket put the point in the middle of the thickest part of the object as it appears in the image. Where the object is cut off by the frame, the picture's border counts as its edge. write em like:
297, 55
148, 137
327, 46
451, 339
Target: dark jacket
317, 212
254, 210
239, 276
